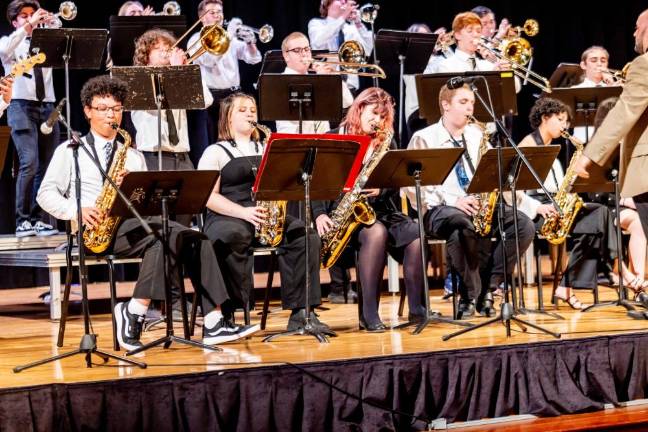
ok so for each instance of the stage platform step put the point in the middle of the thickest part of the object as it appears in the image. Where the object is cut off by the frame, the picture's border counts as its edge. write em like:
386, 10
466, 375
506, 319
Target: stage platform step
9, 242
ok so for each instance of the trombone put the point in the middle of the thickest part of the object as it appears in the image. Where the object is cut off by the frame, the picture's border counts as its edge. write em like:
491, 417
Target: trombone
351, 60
213, 39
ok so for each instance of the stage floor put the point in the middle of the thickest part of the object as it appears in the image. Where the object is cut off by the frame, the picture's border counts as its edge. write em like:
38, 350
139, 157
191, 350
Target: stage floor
29, 335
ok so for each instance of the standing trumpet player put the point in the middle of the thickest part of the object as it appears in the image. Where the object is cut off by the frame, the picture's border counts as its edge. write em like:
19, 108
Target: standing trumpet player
31, 104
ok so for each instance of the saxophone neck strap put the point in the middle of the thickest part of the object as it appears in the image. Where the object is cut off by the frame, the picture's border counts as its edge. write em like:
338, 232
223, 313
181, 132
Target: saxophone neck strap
89, 138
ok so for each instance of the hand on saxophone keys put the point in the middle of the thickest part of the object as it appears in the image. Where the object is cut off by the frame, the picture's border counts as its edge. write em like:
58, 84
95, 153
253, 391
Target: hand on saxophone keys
370, 193
546, 210
255, 215
468, 204
324, 224
91, 216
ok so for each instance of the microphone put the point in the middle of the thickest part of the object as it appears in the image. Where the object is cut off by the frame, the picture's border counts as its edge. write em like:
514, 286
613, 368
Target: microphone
47, 126
459, 81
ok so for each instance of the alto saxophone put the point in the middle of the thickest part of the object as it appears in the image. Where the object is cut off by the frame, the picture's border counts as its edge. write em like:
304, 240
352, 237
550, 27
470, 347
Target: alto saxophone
556, 227
483, 218
99, 237
352, 210
270, 232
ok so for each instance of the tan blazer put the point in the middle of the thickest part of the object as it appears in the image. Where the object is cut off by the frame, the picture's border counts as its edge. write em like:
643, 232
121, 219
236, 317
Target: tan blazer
627, 122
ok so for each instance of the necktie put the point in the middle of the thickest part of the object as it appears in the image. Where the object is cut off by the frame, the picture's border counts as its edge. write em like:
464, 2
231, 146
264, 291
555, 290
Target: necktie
40, 83
340, 38
462, 176
108, 147
473, 63
173, 132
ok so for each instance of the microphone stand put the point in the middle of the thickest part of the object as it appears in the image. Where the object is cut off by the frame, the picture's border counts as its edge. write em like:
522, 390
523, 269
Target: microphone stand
88, 344
507, 310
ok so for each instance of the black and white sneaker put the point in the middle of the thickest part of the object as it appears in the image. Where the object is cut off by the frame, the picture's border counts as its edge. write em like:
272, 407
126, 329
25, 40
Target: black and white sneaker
226, 331
25, 229
43, 230
129, 327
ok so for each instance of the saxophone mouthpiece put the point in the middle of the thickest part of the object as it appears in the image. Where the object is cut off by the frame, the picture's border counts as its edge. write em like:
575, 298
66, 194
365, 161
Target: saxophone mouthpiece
114, 126
253, 123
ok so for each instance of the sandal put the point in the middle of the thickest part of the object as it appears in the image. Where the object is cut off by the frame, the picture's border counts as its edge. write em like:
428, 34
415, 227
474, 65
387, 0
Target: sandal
573, 302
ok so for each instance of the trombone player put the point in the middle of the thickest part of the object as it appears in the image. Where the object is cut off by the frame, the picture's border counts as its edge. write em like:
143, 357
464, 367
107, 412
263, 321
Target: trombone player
220, 72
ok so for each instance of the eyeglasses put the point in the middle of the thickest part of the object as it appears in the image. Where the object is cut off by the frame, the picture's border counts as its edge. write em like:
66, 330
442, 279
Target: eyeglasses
300, 50
103, 109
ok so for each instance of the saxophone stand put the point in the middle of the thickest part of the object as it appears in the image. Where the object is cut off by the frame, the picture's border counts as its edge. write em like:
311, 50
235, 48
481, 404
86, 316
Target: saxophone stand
426, 167
300, 167
158, 193
88, 344
507, 312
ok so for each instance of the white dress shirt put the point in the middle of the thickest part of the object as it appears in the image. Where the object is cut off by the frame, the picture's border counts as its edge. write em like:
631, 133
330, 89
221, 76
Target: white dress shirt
146, 124
323, 34
312, 126
57, 194
222, 71
215, 158
437, 136
14, 47
411, 97
460, 62
529, 205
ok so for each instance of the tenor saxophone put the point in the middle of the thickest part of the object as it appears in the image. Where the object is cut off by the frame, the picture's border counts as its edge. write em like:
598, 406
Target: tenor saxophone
483, 218
270, 232
353, 209
99, 237
556, 227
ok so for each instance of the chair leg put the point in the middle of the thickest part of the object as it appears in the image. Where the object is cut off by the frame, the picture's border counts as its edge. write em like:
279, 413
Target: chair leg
113, 300
401, 303
266, 296
66, 293
453, 276
558, 271
194, 312
358, 287
183, 304
538, 256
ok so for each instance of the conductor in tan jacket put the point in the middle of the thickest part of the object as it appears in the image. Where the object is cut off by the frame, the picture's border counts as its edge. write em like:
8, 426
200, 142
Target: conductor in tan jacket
627, 125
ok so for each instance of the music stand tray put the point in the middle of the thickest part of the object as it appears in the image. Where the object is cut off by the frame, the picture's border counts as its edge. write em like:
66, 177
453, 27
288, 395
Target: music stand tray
156, 193
124, 30
83, 51
318, 166
566, 75
584, 101
416, 48
502, 91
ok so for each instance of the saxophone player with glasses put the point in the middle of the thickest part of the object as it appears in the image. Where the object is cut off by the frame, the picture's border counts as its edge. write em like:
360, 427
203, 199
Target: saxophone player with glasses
372, 113
233, 216
592, 229
450, 214
102, 98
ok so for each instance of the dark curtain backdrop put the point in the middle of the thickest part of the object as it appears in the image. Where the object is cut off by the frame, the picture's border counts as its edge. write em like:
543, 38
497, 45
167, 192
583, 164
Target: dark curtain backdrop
566, 29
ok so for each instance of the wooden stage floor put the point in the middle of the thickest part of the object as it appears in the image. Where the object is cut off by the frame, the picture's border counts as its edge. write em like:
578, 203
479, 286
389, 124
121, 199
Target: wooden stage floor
28, 335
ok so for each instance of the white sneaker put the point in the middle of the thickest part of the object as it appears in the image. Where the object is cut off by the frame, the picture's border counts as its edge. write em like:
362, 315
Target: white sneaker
44, 230
25, 229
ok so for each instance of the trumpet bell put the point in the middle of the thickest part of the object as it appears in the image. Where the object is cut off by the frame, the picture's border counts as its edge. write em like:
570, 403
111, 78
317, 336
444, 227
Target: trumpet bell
369, 13
351, 52
266, 33
171, 8
67, 10
531, 27
518, 50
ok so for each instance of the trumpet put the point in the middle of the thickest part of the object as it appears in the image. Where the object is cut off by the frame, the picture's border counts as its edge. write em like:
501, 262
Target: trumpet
351, 60
618, 75
67, 11
444, 42
246, 33
170, 8
369, 13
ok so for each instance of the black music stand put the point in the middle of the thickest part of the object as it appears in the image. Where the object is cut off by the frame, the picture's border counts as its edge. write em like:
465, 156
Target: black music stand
308, 167
409, 51
156, 193
487, 179
500, 83
420, 167
125, 30
156, 88
300, 97
583, 102
566, 75
69, 48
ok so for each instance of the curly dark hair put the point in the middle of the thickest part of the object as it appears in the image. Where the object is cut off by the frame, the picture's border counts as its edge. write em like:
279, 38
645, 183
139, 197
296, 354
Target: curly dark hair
103, 86
14, 8
147, 41
546, 107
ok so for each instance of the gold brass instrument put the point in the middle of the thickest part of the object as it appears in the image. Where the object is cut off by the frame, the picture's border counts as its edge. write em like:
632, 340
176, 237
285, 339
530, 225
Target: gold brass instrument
444, 42
246, 33
353, 208
517, 51
171, 8
67, 11
270, 232
351, 59
556, 228
369, 13
99, 237
618, 75
483, 218
213, 39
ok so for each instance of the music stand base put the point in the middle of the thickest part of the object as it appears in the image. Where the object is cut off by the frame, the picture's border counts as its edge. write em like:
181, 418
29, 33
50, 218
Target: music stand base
506, 316
168, 340
87, 347
623, 303
432, 318
307, 330
525, 311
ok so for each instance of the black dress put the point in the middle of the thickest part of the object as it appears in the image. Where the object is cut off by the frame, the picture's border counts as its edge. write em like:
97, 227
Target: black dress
233, 239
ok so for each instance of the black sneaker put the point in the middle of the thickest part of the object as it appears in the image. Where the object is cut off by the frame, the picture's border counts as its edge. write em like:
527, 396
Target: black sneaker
129, 327
466, 310
44, 230
25, 229
225, 331
338, 298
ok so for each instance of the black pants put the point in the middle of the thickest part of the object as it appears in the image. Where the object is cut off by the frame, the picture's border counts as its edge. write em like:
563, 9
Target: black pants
593, 236
478, 260
196, 254
232, 240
